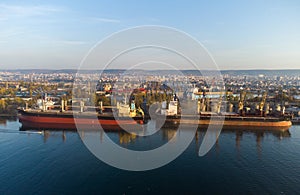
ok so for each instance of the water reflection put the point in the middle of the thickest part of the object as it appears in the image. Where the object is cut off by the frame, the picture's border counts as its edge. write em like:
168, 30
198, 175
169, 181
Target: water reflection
5, 119
126, 138
258, 133
57, 133
168, 134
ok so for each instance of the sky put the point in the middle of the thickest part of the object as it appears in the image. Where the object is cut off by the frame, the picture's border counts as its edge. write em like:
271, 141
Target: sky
254, 34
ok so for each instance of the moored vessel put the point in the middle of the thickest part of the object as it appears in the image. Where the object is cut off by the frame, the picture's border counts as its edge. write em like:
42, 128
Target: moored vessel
228, 121
61, 119
69, 120
202, 118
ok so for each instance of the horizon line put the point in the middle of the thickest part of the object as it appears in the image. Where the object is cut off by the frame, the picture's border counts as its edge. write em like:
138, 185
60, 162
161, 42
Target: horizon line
63, 69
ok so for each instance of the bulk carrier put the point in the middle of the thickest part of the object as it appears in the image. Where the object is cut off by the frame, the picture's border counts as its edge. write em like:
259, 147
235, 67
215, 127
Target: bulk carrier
46, 118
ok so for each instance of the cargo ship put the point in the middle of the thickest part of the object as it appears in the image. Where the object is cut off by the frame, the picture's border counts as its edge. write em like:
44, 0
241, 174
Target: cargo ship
46, 118
69, 120
228, 121
171, 117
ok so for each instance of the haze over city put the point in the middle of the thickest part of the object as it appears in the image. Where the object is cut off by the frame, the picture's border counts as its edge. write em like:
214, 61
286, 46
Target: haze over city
238, 34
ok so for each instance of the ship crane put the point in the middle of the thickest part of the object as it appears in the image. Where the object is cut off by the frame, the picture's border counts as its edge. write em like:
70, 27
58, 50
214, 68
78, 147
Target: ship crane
262, 103
219, 103
241, 102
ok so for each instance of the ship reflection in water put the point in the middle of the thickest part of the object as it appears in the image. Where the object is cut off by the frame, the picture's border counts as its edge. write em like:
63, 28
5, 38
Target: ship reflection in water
164, 135
5, 120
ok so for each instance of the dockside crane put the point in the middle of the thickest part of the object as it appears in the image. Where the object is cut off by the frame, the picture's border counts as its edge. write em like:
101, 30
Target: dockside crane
241, 102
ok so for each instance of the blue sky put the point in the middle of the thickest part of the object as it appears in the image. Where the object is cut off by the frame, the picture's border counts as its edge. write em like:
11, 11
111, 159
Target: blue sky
255, 34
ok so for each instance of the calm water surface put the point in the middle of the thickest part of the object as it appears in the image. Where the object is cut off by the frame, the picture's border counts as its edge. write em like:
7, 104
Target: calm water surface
48, 162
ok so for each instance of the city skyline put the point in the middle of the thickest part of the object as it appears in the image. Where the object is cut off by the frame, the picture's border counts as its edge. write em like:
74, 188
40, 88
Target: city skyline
238, 35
